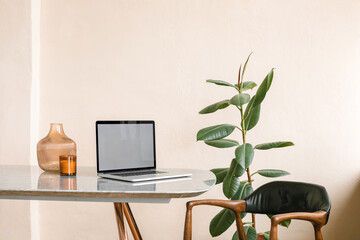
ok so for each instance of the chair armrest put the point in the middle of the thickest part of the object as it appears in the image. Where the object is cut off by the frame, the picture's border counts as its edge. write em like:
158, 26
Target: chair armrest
234, 205
316, 218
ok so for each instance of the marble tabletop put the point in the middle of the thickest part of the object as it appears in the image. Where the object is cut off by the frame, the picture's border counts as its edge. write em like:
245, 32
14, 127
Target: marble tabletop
31, 183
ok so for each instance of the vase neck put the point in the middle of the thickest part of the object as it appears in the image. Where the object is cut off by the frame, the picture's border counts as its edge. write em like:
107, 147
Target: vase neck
56, 128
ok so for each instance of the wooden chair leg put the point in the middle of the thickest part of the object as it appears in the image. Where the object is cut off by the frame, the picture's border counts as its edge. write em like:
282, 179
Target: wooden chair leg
120, 221
188, 223
318, 234
273, 231
240, 226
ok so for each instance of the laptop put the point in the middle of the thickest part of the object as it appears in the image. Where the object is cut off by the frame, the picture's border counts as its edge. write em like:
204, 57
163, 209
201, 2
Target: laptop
126, 151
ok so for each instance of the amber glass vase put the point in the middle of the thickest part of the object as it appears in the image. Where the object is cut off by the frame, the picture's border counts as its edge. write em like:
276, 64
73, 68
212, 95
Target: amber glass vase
49, 148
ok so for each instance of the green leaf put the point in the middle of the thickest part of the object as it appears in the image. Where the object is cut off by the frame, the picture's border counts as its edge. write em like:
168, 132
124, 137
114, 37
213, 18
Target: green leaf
252, 115
249, 155
252, 112
214, 107
243, 191
215, 132
263, 88
266, 235
220, 82
222, 143
270, 145
221, 222
272, 173
285, 223
248, 85
240, 99
235, 236
220, 174
249, 106
247, 60
250, 233
240, 155
244, 155
253, 118
235, 168
231, 182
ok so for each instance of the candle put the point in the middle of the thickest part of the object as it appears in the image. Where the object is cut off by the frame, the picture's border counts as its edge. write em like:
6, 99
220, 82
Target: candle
67, 165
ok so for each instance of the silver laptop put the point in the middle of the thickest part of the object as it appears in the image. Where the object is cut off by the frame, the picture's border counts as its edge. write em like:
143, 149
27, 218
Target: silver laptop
126, 151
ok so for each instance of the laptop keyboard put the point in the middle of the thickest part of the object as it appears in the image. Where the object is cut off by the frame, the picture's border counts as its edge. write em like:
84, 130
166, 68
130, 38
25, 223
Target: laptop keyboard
128, 174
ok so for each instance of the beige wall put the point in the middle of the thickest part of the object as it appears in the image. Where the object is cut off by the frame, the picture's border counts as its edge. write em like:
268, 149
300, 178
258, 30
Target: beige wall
118, 59
149, 60
15, 82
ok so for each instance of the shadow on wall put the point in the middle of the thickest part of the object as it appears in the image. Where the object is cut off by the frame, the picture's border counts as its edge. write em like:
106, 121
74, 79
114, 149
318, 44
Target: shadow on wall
347, 224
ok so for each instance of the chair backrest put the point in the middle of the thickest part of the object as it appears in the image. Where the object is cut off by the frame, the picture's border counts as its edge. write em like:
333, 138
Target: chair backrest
284, 197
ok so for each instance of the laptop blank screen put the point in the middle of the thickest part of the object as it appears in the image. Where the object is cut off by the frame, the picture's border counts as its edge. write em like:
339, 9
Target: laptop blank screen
125, 145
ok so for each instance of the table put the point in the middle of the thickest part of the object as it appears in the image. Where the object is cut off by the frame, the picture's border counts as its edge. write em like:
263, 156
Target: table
31, 183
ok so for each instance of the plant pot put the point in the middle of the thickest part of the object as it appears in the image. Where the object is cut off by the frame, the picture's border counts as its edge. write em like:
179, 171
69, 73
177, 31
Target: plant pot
49, 148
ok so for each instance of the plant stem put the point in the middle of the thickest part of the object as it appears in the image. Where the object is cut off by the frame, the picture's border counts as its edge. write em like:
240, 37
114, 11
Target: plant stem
248, 169
249, 176
242, 123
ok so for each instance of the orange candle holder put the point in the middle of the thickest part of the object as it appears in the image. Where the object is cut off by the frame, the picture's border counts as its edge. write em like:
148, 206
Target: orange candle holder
67, 165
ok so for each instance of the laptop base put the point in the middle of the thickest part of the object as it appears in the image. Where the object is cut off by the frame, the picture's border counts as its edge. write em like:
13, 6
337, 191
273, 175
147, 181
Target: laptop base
164, 174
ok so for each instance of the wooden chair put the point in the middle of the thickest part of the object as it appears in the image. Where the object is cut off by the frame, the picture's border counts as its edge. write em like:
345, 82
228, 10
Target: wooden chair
285, 200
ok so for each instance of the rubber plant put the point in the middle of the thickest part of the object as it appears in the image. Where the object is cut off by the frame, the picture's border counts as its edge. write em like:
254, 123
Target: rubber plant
233, 187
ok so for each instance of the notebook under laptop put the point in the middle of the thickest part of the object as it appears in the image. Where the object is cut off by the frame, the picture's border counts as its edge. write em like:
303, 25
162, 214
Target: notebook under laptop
126, 151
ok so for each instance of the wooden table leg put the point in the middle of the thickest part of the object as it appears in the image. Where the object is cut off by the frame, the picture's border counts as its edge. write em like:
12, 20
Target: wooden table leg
122, 209
120, 221
131, 221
